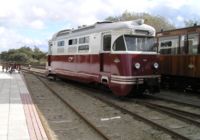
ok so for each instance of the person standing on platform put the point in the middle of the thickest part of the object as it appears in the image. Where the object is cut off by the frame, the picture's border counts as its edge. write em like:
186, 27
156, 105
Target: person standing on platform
29, 66
3, 67
7, 67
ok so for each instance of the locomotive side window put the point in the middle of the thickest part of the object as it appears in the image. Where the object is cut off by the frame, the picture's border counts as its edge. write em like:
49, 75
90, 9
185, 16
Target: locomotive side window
72, 42
83, 48
106, 42
119, 44
193, 41
61, 43
83, 40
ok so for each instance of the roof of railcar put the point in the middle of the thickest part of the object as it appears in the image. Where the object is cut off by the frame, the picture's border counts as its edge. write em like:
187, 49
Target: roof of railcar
180, 31
103, 26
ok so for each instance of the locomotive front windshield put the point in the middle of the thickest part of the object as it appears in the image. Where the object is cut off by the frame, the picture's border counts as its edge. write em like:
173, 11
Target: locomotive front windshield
144, 44
135, 43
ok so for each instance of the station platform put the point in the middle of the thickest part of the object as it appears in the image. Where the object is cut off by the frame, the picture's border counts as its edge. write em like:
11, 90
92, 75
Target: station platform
19, 119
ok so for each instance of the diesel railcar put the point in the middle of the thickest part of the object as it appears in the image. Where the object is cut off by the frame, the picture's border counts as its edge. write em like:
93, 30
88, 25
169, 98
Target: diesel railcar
120, 55
180, 57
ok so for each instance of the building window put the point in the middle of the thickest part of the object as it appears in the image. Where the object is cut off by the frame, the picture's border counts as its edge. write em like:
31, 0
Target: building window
61, 43
72, 42
83, 40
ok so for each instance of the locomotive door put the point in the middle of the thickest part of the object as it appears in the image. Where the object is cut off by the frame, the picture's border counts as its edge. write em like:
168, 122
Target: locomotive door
50, 53
105, 53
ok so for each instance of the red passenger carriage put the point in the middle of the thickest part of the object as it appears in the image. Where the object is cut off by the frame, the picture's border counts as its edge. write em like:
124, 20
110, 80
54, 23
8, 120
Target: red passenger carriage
180, 57
120, 55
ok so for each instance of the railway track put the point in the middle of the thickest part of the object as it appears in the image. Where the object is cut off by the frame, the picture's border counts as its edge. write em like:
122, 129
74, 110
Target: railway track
110, 133
76, 111
188, 117
172, 100
79, 114
141, 116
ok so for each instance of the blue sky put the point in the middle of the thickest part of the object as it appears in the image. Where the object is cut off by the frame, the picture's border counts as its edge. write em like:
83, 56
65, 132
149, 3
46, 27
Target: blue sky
33, 22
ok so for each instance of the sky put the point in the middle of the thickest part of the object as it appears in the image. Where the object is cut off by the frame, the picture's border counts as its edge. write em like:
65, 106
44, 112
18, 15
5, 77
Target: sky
33, 22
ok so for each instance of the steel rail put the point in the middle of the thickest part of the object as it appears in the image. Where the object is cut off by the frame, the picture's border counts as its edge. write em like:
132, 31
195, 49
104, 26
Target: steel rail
190, 114
172, 112
172, 101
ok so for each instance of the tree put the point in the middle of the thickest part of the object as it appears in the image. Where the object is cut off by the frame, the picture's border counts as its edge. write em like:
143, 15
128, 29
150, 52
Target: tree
27, 50
4, 55
24, 55
37, 54
192, 22
20, 58
158, 22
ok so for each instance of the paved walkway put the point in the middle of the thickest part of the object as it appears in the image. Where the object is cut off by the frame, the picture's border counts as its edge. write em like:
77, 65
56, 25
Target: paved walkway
18, 117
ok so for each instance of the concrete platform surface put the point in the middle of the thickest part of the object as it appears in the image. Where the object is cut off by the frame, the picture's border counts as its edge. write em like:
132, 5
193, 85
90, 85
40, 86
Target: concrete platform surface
18, 116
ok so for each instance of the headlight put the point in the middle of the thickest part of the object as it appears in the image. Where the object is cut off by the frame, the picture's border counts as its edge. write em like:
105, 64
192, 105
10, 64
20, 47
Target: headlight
137, 65
156, 65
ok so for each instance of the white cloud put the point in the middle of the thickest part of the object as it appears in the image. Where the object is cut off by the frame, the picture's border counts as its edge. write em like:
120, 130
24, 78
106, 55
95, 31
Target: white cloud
39, 12
11, 39
35, 12
45, 15
176, 4
180, 18
2, 30
37, 24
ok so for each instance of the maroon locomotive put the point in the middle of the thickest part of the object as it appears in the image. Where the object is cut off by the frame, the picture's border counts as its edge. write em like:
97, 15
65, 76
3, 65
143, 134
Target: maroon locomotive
120, 55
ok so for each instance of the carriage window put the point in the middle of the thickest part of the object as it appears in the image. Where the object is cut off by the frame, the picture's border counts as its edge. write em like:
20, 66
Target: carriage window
61, 43
169, 45
119, 44
106, 42
84, 40
193, 41
72, 41
166, 44
166, 47
182, 44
